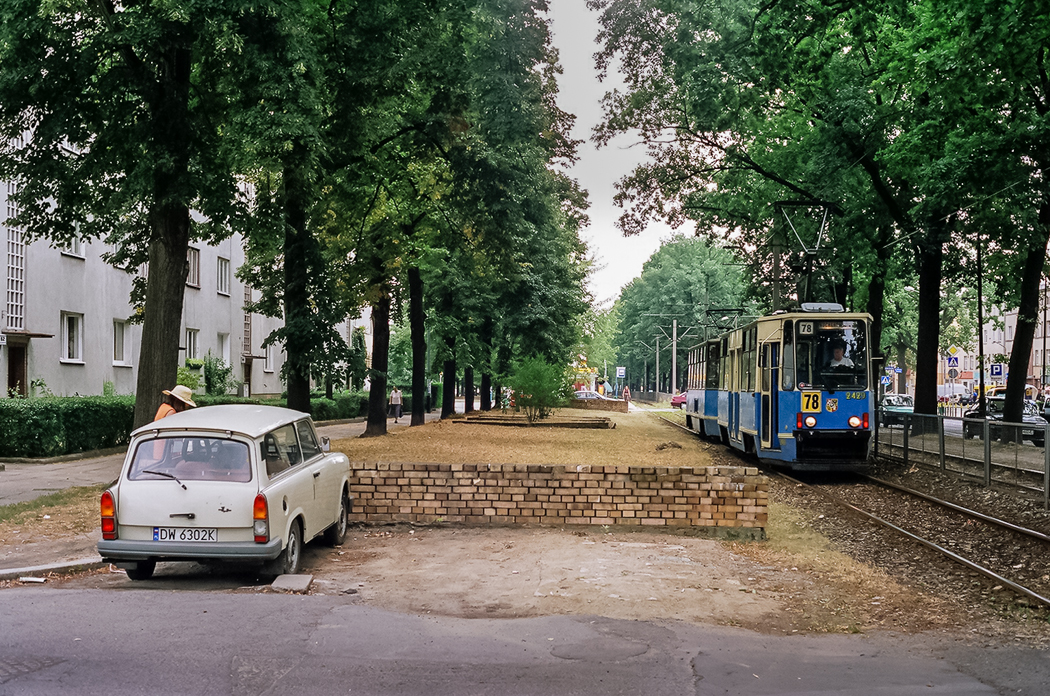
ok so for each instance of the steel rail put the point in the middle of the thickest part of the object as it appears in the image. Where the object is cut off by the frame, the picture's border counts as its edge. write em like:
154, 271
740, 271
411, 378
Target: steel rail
1020, 589
966, 511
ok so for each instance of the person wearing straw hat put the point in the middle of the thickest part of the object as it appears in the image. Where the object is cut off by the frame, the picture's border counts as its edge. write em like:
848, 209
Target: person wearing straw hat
177, 399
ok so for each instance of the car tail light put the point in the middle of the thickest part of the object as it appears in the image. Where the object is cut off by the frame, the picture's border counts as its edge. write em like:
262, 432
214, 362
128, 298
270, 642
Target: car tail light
261, 517
811, 421
108, 508
854, 421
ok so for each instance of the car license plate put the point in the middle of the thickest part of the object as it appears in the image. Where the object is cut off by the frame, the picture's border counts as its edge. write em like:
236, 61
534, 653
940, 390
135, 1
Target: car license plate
1028, 432
185, 534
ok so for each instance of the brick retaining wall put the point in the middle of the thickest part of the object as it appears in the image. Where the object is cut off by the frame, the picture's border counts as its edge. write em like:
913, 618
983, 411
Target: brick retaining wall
714, 501
599, 405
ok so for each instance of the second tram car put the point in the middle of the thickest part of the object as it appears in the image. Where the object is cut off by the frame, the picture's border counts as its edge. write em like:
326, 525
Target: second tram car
792, 388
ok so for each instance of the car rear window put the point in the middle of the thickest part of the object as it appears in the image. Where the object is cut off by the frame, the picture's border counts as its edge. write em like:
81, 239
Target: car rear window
191, 459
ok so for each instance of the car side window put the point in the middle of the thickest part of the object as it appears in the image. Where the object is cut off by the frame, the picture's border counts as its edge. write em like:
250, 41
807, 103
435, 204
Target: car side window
307, 439
280, 450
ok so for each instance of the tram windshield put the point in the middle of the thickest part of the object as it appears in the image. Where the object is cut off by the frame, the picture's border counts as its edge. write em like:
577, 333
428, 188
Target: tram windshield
827, 354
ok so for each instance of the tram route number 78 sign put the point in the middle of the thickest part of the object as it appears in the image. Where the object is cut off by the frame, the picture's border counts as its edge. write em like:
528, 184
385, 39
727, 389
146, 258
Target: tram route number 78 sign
811, 402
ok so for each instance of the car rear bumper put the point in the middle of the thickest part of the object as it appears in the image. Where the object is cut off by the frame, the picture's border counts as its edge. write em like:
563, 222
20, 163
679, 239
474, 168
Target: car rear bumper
140, 550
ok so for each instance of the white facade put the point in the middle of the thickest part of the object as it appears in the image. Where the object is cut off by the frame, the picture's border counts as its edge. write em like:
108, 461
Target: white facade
63, 320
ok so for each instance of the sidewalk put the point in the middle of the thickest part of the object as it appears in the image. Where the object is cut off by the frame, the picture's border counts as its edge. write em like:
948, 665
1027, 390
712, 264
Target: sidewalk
23, 481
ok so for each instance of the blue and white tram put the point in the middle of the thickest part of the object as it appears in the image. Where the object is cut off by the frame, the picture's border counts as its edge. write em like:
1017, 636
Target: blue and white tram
792, 388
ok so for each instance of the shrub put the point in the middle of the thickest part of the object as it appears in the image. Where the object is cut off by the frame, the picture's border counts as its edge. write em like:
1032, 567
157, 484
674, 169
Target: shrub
218, 376
50, 426
189, 378
540, 387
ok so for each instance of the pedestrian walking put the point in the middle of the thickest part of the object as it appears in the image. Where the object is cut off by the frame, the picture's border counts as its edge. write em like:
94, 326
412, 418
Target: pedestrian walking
395, 403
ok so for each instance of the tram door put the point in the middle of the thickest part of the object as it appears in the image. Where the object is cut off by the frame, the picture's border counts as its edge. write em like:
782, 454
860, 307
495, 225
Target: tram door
768, 395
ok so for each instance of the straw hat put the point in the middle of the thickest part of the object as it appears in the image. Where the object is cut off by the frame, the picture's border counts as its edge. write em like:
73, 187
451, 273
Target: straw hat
183, 394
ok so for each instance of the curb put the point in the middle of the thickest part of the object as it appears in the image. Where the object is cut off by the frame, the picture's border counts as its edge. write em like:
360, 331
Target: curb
63, 568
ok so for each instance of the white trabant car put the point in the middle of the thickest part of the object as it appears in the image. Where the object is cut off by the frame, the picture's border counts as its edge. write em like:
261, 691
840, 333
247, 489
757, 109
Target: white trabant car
237, 483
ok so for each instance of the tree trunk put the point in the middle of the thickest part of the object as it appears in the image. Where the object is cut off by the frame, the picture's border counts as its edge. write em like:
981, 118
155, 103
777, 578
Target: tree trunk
448, 390
902, 363
417, 324
468, 389
169, 219
1027, 318
377, 398
930, 271
165, 294
877, 292
486, 391
296, 289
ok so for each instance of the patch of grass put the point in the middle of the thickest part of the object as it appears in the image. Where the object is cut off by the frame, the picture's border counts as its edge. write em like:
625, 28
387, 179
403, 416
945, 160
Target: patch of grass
66, 512
633, 442
19, 512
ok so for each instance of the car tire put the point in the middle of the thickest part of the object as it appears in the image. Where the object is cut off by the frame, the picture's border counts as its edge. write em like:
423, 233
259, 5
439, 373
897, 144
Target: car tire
968, 434
143, 570
288, 562
335, 534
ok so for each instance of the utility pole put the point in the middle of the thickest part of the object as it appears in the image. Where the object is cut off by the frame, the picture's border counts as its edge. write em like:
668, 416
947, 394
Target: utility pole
674, 356
657, 368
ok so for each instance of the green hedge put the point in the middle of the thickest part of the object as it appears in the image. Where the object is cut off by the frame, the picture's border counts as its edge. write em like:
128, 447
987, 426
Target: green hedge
52, 426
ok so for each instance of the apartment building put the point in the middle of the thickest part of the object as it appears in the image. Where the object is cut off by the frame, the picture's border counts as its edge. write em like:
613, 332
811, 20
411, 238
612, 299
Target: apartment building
64, 319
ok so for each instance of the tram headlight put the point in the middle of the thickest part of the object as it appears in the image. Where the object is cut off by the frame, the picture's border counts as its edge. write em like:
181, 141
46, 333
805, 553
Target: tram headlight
811, 421
854, 421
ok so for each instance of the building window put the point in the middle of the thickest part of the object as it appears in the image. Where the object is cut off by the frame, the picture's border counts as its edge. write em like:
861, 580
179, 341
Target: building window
222, 272
72, 337
224, 347
75, 248
193, 277
268, 362
121, 355
192, 351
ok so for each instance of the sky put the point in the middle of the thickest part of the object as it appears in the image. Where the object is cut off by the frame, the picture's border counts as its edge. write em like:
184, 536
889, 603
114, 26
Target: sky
619, 259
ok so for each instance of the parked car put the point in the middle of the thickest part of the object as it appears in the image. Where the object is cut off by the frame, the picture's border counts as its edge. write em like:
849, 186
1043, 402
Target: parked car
893, 409
225, 484
678, 400
588, 394
1032, 423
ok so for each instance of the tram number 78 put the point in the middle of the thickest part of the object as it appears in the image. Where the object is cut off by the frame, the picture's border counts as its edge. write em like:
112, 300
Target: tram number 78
811, 402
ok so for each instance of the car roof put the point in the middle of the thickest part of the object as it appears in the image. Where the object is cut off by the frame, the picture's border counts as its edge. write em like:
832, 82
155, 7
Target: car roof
252, 420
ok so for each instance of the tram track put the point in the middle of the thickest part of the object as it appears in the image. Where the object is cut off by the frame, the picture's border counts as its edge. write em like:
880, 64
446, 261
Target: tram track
1007, 554
994, 548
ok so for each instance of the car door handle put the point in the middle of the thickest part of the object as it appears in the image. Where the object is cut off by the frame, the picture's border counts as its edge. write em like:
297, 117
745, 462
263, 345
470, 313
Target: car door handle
316, 474
187, 515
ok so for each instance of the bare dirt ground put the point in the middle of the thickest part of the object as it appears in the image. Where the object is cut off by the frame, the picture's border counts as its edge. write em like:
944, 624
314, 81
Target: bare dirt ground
796, 581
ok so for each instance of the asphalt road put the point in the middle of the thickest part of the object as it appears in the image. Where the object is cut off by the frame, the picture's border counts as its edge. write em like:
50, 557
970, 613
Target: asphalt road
135, 642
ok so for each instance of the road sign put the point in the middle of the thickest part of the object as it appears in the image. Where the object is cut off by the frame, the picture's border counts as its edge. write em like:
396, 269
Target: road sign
953, 374
898, 370
953, 351
997, 370
885, 380
953, 362
621, 372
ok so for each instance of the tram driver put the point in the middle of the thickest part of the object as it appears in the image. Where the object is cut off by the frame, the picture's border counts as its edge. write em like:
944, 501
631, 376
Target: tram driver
838, 354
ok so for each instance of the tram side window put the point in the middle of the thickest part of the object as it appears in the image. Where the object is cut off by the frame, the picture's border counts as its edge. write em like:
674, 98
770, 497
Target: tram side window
787, 379
713, 367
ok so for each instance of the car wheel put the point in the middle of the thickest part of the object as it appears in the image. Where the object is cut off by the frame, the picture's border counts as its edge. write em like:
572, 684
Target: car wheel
143, 570
968, 433
335, 534
288, 562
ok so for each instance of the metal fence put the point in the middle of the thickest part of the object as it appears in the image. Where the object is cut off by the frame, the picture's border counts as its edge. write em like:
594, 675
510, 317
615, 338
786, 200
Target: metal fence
991, 451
